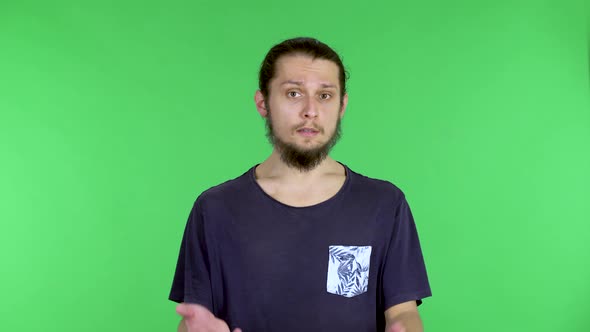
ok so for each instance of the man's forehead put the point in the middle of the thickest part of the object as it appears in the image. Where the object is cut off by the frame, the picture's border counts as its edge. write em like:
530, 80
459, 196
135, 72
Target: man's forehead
301, 82
301, 69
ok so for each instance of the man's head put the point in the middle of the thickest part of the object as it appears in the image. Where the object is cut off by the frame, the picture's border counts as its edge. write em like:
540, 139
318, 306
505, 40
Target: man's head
303, 98
306, 46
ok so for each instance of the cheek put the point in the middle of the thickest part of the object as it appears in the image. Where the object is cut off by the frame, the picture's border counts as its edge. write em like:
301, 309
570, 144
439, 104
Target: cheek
283, 115
279, 124
333, 120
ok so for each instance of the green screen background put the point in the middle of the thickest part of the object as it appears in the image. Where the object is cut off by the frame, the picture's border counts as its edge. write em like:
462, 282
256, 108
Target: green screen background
115, 115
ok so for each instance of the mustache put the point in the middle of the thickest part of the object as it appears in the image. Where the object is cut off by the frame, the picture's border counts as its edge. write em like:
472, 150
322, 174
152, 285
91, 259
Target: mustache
306, 125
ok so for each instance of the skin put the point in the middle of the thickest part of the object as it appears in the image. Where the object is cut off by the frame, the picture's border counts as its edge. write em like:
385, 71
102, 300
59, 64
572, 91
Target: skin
304, 93
403, 317
197, 318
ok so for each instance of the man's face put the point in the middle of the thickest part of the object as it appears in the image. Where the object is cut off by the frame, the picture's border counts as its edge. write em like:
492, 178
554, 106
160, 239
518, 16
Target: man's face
303, 110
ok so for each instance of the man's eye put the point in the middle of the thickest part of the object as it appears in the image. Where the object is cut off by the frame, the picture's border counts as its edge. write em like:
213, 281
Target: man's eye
293, 94
325, 96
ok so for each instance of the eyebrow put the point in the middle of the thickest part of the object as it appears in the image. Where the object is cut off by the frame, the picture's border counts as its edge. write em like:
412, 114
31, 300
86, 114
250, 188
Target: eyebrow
323, 85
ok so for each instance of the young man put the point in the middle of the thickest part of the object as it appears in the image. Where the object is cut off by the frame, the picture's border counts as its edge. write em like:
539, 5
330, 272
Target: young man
300, 242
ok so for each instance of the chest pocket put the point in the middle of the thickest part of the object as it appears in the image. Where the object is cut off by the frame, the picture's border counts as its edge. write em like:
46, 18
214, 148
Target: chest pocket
348, 270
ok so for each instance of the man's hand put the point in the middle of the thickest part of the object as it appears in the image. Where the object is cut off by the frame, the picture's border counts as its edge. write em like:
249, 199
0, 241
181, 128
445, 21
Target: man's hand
403, 317
396, 327
197, 318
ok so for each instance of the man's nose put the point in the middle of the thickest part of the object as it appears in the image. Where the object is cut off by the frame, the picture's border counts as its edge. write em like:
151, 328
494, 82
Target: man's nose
310, 109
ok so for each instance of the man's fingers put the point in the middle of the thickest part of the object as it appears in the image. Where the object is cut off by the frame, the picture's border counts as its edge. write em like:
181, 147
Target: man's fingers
199, 317
192, 309
184, 310
397, 327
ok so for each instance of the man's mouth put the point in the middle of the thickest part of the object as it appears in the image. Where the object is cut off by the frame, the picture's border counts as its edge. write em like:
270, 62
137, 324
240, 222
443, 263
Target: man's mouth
307, 131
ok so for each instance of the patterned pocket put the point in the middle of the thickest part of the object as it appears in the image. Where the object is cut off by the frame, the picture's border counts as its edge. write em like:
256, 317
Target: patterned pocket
348, 270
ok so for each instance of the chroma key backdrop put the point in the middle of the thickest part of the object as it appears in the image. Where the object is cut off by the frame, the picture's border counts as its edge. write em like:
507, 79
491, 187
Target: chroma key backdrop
115, 115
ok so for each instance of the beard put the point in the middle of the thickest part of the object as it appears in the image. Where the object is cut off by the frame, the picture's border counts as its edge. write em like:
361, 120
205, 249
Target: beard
293, 156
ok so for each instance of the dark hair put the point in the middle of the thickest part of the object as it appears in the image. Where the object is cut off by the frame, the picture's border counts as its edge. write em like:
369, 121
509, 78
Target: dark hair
304, 46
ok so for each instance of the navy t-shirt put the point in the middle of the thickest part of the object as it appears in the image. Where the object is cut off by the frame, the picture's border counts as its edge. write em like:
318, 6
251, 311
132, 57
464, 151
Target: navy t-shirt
262, 265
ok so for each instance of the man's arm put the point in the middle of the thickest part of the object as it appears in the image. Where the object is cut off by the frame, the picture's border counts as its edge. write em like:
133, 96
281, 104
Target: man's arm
403, 317
197, 318
182, 326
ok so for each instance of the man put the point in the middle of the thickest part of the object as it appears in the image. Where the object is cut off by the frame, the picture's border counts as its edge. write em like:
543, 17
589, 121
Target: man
300, 242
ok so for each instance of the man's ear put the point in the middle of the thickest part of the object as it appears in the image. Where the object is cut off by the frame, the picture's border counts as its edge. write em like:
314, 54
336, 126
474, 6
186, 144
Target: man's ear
344, 104
260, 104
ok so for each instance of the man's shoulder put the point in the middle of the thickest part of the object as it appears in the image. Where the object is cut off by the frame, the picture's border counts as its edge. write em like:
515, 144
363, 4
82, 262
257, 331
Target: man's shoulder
228, 189
375, 186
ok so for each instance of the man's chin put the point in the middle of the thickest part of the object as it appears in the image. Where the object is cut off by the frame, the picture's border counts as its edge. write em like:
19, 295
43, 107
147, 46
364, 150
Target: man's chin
308, 148
303, 149
303, 155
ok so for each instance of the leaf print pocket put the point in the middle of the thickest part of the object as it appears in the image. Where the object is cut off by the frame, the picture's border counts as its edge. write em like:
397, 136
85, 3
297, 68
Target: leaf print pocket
348, 270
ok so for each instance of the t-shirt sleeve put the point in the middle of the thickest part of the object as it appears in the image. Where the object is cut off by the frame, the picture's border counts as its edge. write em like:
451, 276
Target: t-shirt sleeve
404, 275
191, 281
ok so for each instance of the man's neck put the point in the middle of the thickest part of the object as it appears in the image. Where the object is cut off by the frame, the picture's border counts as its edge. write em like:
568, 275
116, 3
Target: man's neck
274, 167
293, 187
